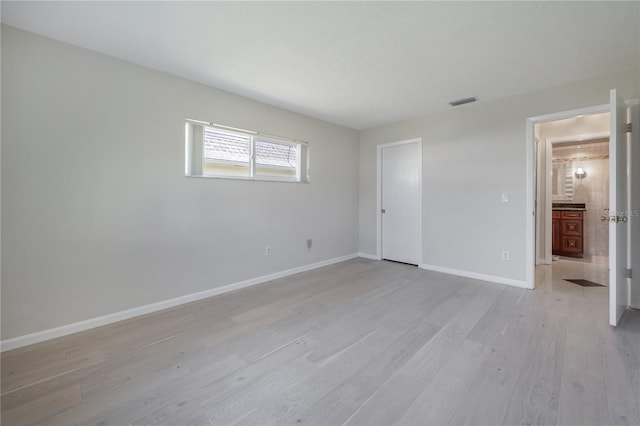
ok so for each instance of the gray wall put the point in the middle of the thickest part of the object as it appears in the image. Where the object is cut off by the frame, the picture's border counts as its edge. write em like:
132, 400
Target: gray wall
471, 155
97, 214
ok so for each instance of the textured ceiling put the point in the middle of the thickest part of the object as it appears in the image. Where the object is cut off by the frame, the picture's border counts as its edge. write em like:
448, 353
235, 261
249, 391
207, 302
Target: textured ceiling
359, 64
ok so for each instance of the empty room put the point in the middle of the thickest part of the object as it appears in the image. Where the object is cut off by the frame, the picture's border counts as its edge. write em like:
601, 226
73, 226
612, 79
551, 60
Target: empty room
322, 213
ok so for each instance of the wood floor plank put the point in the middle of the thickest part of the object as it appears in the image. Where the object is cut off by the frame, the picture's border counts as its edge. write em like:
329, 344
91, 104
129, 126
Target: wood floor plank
234, 409
118, 395
439, 399
535, 398
122, 405
359, 342
367, 341
40, 410
424, 365
196, 398
487, 397
35, 390
498, 317
582, 400
289, 405
338, 405
18, 378
621, 368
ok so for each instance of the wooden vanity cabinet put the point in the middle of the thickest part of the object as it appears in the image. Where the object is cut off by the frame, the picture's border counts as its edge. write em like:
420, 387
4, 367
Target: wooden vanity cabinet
567, 230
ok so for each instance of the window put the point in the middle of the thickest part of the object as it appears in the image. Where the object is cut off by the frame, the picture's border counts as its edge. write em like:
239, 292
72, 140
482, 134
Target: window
226, 154
223, 152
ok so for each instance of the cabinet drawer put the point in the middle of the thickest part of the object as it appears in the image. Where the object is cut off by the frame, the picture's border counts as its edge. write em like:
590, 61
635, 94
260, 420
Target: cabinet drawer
572, 244
572, 227
555, 214
571, 215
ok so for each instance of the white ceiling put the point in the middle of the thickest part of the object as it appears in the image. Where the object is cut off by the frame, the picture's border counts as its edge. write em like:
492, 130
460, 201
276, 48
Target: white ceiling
358, 64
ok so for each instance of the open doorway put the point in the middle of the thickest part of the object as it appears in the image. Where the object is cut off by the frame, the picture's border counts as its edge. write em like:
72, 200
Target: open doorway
624, 289
572, 189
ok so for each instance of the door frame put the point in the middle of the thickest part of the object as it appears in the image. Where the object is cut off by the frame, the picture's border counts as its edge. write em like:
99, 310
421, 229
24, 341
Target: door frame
531, 209
379, 194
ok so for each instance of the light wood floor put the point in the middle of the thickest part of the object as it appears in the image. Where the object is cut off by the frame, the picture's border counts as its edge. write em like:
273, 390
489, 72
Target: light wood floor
360, 342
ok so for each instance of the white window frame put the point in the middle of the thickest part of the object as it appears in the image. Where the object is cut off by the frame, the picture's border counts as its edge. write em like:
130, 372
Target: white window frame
195, 159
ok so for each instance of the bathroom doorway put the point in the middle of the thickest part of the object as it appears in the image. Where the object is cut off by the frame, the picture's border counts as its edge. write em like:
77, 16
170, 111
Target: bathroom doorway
623, 289
573, 190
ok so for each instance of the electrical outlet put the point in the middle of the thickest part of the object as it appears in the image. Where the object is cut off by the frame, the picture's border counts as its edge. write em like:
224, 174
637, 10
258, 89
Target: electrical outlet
505, 197
267, 251
505, 255
309, 243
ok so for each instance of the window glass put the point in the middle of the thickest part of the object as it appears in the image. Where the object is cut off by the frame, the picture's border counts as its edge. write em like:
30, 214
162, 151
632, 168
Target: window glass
276, 159
226, 154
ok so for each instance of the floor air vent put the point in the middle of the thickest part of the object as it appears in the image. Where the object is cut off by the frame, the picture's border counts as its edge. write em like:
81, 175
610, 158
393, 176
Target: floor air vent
585, 283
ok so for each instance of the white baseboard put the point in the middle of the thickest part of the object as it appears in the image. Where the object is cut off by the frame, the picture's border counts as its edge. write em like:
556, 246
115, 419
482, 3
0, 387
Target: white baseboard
52, 333
477, 276
368, 256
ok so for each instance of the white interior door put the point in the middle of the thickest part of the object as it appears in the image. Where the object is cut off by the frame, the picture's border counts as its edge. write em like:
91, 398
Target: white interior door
400, 202
618, 210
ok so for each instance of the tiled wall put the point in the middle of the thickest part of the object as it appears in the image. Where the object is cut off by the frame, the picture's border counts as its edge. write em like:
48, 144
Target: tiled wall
593, 190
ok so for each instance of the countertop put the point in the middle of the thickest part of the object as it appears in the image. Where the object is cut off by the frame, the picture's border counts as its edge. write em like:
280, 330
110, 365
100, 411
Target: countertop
576, 207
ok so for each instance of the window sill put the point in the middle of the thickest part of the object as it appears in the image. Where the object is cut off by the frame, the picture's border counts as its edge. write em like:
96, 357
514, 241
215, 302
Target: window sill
251, 179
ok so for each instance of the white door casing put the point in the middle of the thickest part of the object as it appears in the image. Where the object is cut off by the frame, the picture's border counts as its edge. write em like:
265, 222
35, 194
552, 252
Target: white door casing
400, 201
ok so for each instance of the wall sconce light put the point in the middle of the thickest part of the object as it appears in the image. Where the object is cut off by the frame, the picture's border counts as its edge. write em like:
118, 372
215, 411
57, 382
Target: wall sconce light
580, 173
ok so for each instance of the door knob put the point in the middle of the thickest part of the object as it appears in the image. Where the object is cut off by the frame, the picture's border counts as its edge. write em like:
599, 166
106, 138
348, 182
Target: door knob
383, 211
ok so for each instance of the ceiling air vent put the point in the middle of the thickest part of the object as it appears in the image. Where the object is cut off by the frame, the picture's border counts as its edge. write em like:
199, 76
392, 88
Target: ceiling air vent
463, 101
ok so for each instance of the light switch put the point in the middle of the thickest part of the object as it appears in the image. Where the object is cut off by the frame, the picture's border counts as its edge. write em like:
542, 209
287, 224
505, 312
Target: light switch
505, 197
